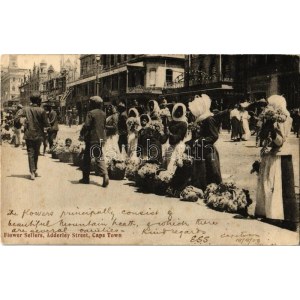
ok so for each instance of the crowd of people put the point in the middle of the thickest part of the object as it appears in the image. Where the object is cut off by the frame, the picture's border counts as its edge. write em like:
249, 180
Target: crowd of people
162, 133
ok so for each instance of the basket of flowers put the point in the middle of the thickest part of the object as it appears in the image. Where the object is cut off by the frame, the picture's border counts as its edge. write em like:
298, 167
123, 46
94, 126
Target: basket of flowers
145, 176
227, 197
132, 165
162, 182
57, 148
116, 169
77, 153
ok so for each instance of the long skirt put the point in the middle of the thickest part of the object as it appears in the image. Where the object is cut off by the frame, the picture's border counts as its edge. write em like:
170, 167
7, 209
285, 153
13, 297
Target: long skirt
276, 197
246, 130
236, 131
207, 170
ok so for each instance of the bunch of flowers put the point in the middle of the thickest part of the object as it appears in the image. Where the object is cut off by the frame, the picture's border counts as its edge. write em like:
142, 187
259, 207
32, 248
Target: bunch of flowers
58, 147
184, 160
273, 115
148, 170
132, 165
132, 123
145, 176
156, 125
227, 197
165, 112
192, 194
77, 148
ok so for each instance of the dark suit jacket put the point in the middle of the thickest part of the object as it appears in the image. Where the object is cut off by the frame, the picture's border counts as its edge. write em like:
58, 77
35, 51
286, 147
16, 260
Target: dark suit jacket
53, 119
36, 121
93, 129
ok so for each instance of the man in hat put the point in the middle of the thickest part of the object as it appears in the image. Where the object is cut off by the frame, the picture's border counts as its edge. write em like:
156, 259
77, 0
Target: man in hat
93, 133
53, 120
36, 122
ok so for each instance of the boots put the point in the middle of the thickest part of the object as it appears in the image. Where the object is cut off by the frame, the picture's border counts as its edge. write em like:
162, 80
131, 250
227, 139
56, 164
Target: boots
105, 180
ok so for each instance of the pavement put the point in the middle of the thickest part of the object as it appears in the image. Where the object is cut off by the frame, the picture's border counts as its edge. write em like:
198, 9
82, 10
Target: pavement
134, 217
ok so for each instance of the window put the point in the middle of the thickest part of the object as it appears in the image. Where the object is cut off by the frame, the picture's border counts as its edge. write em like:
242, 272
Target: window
169, 76
125, 57
118, 59
13, 88
152, 77
112, 60
104, 60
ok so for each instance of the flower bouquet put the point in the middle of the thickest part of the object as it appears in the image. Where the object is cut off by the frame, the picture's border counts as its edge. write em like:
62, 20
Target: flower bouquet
227, 197
145, 176
132, 124
157, 125
116, 169
191, 194
273, 115
132, 166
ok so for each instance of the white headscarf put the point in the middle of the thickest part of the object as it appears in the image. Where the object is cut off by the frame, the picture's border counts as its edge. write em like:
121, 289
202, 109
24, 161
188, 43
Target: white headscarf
137, 115
200, 107
183, 117
156, 107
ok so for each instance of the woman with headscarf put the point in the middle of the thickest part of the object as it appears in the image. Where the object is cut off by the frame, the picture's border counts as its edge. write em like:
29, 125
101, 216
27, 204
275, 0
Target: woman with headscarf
276, 198
154, 110
133, 126
151, 136
111, 145
206, 166
177, 132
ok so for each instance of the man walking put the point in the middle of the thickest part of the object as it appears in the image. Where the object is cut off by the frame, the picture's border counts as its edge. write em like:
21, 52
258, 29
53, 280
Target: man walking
93, 133
53, 120
36, 122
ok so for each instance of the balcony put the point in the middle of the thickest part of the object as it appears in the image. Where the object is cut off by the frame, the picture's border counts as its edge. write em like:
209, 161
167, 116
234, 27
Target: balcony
144, 90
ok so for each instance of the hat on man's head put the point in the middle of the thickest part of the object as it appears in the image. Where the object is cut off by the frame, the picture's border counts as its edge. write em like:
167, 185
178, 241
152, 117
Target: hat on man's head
19, 106
121, 104
96, 99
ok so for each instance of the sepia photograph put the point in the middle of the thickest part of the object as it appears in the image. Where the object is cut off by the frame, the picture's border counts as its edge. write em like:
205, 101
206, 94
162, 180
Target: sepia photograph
150, 149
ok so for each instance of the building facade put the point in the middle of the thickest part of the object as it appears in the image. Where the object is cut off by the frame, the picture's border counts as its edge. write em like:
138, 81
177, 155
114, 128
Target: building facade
230, 79
117, 77
11, 79
33, 82
274, 74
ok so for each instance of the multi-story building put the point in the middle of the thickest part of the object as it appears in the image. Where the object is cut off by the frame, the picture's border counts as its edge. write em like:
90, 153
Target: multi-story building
11, 78
222, 77
125, 77
274, 74
33, 82
230, 79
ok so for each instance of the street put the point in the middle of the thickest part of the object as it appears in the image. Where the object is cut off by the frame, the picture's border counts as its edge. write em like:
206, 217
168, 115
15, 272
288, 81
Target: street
57, 190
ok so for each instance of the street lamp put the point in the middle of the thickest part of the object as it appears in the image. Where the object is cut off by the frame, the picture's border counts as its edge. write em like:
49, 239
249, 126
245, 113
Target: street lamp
98, 56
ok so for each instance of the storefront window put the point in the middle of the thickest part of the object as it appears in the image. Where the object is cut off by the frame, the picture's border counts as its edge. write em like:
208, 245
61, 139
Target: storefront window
169, 76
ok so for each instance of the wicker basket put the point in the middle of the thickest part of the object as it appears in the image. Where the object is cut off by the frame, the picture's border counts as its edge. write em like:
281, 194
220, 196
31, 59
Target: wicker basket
77, 158
66, 157
116, 174
54, 155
